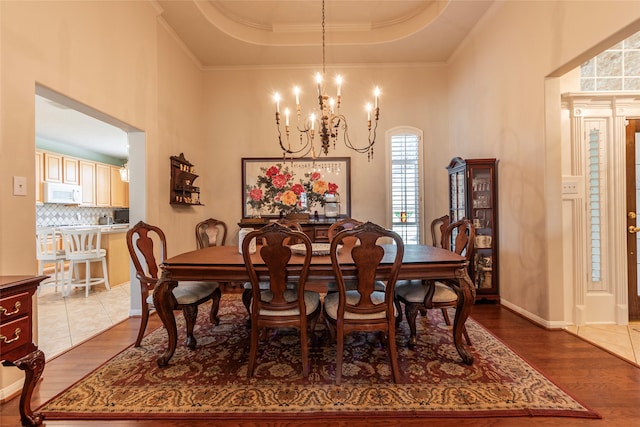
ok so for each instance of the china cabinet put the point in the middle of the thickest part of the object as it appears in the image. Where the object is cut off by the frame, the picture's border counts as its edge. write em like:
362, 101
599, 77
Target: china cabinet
473, 193
183, 191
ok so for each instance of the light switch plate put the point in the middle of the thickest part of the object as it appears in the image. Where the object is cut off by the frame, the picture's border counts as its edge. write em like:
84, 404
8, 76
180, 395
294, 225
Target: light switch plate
19, 186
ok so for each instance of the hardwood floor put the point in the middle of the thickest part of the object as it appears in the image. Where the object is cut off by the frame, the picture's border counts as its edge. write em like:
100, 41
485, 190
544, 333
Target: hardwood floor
605, 383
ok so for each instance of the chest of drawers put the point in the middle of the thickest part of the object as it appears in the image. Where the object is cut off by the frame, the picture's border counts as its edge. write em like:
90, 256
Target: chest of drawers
16, 337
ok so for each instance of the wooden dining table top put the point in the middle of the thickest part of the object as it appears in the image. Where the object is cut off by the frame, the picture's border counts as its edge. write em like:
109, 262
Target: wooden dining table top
225, 263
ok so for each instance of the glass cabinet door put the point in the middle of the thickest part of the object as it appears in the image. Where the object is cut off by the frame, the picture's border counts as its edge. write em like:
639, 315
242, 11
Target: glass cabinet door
473, 193
482, 215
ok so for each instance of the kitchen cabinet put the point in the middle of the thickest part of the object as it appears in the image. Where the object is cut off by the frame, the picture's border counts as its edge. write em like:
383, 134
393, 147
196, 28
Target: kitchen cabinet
473, 194
39, 173
70, 173
100, 183
103, 185
52, 167
88, 182
58, 168
119, 191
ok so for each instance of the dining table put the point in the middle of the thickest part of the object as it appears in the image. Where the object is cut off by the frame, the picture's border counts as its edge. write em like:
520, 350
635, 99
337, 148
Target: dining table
226, 264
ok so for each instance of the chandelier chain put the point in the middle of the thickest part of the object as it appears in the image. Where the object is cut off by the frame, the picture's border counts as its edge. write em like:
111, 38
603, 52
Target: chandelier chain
323, 43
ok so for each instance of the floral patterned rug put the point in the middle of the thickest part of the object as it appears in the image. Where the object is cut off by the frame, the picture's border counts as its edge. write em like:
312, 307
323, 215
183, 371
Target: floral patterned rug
211, 381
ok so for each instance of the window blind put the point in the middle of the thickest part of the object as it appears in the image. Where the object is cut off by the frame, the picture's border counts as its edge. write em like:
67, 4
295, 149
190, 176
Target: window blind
405, 187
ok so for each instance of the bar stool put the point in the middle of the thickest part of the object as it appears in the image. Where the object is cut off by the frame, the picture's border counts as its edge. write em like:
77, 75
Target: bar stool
83, 245
47, 252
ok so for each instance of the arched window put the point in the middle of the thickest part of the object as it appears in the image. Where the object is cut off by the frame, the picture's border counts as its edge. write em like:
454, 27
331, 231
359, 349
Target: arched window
405, 182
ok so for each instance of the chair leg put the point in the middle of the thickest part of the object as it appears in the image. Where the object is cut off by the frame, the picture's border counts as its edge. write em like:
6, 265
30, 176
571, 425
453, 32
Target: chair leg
247, 294
105, 274
304, 347
393, 354
339, 355
253, 349
40, 271
67, 283
411, 312
87, 278
143, 325
331, 327
399, 311
445, 314
215, 305
190, 314
466, 335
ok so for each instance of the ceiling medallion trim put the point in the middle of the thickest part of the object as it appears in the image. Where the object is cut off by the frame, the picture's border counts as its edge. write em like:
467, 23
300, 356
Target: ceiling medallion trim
281, 34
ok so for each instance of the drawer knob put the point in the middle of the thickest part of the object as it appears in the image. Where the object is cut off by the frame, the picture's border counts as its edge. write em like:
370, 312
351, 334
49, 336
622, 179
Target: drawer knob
16, 309
16, 336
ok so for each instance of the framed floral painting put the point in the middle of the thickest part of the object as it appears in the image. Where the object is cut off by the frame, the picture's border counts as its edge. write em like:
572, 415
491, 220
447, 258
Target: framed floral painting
273, 187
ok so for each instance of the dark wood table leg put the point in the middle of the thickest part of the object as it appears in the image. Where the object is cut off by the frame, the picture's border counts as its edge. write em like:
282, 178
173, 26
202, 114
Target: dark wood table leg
163, 300
32, 364
466, 298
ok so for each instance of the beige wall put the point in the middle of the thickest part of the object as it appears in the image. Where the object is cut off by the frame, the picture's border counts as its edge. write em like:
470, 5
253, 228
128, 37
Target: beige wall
240, 122
498, 108
114, 57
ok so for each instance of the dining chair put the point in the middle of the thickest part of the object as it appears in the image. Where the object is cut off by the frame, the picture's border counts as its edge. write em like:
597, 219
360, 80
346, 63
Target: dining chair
247, 294
147, 244
364, 308
347, 244
278, 305
83, 245
211, 232
422, 295
438, 228
48, 252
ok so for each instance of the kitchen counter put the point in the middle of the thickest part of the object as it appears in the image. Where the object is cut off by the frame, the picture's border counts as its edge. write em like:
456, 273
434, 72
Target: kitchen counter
105, 229
114, 228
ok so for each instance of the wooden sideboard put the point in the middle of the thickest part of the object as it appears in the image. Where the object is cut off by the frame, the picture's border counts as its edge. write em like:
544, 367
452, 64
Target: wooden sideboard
16, 337
317, 230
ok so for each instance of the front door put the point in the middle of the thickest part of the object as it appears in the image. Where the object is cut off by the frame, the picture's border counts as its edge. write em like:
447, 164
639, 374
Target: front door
633, 210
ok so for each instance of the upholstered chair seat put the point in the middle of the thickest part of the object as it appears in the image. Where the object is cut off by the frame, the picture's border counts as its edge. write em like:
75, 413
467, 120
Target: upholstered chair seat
352, 298
311, 301
415, 291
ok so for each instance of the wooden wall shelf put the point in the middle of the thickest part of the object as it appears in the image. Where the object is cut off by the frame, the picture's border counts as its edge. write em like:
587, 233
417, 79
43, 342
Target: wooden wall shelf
183, 191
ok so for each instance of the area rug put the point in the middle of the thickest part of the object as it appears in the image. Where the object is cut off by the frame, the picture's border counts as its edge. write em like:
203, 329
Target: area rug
211, 382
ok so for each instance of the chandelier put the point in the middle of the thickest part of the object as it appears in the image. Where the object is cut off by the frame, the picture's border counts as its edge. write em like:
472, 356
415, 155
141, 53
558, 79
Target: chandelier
327, 123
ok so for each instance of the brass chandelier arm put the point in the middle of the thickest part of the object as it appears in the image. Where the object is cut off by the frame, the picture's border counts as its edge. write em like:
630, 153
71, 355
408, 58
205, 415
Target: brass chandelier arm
328, 121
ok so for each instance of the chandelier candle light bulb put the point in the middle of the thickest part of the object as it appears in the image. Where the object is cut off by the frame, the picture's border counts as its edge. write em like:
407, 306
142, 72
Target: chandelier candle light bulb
330, 120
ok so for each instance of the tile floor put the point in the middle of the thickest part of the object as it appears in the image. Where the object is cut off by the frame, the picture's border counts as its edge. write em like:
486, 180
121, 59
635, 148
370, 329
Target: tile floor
66, 322
618, 339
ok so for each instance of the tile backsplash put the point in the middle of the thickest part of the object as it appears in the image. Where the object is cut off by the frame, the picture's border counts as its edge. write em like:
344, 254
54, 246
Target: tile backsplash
51, 214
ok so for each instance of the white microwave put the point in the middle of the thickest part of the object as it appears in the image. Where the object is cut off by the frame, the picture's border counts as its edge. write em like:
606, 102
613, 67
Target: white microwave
69, 194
